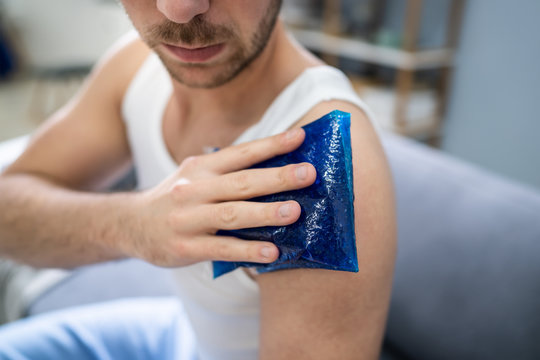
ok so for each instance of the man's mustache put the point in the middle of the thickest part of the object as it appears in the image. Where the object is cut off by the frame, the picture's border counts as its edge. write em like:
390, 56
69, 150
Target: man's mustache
196, 32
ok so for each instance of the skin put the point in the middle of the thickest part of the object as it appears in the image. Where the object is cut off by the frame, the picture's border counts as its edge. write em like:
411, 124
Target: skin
57, 219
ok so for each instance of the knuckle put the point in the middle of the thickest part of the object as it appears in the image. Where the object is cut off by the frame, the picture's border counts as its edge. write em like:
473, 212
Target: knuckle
251, 253
283, 176
177, 220
181, 249
190, 163
269, 214
181, 190
240, 183
227, 215
244, 149
222, 251
247, 152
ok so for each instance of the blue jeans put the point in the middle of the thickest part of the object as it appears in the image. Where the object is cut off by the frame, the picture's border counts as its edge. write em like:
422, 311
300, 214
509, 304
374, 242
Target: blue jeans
133, 329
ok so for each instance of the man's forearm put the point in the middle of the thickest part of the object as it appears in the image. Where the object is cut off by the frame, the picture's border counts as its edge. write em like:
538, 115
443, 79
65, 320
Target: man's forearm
172, 224
45, 225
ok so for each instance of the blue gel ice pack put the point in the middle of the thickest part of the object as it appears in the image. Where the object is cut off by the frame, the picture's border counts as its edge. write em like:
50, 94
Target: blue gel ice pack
323, 237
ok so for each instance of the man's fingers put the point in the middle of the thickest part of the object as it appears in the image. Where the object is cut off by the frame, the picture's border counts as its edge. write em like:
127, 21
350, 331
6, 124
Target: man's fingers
228, 248
235, 215
207, 193
247, 184
244, 155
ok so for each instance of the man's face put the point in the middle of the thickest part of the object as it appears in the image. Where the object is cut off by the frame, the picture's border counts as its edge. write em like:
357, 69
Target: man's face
209, 49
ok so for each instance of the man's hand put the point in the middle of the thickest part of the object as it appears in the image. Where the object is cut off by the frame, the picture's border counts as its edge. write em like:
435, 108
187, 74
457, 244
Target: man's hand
174, 224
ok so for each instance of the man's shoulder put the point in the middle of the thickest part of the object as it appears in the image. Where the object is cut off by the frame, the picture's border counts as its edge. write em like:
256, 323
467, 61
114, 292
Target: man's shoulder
344, 311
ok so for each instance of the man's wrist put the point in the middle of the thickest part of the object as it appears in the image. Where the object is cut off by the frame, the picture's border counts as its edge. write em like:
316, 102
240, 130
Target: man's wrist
120, 225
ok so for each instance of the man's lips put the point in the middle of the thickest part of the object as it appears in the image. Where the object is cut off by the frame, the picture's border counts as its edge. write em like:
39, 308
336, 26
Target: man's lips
195, 55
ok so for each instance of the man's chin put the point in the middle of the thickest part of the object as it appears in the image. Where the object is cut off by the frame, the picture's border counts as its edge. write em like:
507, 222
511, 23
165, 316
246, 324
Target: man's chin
202, 78
211, 74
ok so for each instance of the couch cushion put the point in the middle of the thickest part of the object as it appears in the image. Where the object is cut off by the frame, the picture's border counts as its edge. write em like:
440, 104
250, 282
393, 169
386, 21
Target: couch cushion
106, 281
468, 267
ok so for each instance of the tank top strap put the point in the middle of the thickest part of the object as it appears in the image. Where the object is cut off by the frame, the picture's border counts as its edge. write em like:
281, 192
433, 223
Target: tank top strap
313, 86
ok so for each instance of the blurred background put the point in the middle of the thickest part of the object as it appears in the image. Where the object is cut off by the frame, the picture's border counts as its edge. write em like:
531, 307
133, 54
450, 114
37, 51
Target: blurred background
463, 76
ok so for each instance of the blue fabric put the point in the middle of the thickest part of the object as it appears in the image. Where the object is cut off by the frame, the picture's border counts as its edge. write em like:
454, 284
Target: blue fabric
323, 237
135, 329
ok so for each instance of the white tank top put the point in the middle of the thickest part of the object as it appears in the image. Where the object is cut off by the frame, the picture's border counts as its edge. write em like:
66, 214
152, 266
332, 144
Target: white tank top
224, 312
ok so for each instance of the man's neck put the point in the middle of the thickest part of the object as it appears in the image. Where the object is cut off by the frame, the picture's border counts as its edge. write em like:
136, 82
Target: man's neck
243, 100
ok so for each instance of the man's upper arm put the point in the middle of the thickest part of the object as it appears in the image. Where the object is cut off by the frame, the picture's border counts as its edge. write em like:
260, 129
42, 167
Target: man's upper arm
84, 142
322, 314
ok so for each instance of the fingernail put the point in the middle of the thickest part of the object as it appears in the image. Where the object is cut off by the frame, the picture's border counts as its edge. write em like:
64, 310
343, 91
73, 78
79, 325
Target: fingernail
285, 210
291, 134
266, 252
301, 172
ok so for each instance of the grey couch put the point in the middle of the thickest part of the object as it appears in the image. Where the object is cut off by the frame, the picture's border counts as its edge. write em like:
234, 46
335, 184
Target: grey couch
467, 279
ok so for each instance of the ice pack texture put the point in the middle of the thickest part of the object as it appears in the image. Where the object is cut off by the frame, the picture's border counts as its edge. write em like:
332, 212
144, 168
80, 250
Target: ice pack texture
323, 237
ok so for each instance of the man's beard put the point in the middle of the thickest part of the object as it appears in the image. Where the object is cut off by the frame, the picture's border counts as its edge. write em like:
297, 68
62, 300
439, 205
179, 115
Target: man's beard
200, 33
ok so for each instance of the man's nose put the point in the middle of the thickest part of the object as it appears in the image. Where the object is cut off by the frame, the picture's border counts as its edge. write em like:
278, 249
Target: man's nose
182, 11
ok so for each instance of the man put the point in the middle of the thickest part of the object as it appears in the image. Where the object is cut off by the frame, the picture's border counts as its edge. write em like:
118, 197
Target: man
225, 72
